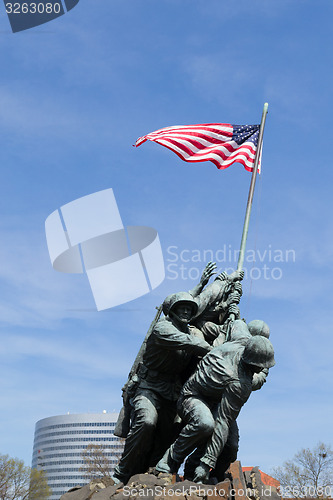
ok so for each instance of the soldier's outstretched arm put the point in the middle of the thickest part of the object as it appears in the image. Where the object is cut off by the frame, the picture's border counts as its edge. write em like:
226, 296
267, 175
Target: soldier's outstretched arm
219, 291
207, 273
173, 339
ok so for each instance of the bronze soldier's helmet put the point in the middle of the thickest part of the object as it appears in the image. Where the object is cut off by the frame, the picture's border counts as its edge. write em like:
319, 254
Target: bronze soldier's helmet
166, 304
259, 352
258, 327
172, 300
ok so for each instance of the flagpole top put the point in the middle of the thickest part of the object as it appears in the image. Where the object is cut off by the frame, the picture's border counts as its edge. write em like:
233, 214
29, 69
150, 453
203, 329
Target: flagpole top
266, 107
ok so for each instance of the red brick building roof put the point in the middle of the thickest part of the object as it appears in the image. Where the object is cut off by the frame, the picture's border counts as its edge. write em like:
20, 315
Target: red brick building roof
266, 479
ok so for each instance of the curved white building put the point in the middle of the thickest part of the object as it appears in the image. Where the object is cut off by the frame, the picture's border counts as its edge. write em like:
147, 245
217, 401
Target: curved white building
59, 442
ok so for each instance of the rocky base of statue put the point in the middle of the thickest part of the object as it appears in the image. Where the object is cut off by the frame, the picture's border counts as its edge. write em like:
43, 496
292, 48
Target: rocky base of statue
237, 486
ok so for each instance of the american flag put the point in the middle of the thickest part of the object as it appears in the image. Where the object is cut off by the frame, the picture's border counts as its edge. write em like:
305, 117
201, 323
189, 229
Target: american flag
220, 143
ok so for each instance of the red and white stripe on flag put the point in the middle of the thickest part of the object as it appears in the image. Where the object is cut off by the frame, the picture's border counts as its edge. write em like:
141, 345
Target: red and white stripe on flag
215, 142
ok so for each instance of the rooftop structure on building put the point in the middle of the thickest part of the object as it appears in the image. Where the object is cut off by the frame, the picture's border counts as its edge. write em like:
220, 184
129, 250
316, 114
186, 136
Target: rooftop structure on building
265, 478
59, 442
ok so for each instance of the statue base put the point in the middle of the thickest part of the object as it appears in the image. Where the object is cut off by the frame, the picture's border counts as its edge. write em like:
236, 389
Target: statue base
238, 485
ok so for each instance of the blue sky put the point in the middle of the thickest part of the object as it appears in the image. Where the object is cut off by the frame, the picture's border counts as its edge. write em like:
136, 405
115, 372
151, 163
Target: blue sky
75, 94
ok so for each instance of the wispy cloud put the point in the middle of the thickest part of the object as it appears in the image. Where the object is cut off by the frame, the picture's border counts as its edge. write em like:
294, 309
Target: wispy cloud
83, 356
33, 293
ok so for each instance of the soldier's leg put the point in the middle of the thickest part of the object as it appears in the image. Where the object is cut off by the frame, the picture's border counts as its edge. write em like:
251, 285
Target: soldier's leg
193, 461
166, 430
229, 453
199, 425
140, 438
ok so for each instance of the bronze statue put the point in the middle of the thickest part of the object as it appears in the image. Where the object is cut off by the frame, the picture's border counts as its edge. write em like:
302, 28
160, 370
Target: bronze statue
194, 322
168, 351
217, 305
240, 334
124, 420
211, 400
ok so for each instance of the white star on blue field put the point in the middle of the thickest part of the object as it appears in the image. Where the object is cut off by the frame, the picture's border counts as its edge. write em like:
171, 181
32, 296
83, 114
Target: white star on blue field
242, 133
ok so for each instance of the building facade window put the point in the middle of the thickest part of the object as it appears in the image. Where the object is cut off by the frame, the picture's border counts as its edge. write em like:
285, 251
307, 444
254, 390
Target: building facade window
59, 442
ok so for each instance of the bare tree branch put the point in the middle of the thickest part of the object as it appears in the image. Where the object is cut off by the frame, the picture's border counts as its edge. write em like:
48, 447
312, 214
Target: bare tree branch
95, 462
308, 474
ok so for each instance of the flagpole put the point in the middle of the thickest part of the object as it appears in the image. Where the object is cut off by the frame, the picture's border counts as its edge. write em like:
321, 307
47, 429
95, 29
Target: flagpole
251, 190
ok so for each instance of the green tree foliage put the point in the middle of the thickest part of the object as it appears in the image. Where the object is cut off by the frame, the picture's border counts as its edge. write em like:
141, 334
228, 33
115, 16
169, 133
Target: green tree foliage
308, 474
95, 462
20, 482
38, 488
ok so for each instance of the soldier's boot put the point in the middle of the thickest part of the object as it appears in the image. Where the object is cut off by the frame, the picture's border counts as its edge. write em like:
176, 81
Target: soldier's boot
118, 476
118, 480
167, 464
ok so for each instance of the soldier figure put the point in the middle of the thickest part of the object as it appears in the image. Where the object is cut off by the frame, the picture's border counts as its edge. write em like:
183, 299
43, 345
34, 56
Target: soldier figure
168, 352
217, 302
240, 333
211, 401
